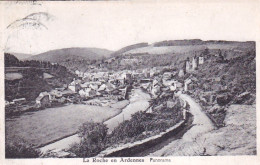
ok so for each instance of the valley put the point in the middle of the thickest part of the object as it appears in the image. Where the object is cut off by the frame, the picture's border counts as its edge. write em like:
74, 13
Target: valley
109, 99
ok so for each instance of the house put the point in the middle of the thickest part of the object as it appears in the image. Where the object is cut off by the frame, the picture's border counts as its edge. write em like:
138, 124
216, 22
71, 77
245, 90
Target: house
74, 85
156, 90
170, 104
110, 87
93, 86
150, 110
47, 76
201, 60
168, 83
100, 76
152, 72
173, 87
77, 72
124, 78
68, 93
55, 94
145, 83
147, 74
90, 92
167, 75
82, 92
60, 89
19, 101
194, 63
186, 84
128, 78
43, 100
178, 84
102, 87
124, 92
84, 85
181, 73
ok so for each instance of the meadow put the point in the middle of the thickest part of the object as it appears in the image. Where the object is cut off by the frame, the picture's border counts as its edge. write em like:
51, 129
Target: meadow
45, 126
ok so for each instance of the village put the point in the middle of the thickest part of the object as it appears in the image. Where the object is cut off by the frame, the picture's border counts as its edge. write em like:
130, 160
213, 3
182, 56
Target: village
128, 81
102, 88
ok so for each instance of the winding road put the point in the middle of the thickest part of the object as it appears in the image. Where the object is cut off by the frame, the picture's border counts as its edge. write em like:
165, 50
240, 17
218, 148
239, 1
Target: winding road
188, 145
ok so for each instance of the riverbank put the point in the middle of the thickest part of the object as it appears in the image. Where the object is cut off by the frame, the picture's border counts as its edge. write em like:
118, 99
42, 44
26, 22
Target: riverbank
139, 101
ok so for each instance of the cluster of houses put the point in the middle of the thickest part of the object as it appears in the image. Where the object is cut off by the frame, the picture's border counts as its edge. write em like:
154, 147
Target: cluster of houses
168, 81
114, 85
15, 101
89, 85
58, 95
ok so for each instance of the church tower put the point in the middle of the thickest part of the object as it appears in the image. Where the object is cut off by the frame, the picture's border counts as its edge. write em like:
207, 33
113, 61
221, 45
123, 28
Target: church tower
194, 63
188, 65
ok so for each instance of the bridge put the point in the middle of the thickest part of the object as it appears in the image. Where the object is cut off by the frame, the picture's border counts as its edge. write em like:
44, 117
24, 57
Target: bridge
19, 69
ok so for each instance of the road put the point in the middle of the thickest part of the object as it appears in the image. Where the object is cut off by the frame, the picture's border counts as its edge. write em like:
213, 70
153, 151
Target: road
188, 145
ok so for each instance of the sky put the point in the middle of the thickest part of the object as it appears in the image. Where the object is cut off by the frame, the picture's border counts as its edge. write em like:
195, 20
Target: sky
113, 25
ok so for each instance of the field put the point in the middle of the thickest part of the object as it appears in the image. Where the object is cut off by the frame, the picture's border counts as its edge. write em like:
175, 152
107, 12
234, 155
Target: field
166, 49
13, 76
44, 126
186, 48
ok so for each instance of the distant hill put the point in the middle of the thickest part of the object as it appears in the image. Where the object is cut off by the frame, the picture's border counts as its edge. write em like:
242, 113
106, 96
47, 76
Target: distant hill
178, 42
128, 48
72, 54
193, 42
21, 56
174, 52
185, 46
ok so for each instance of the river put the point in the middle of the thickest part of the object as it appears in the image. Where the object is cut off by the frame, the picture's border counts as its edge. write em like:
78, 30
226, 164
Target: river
139, 101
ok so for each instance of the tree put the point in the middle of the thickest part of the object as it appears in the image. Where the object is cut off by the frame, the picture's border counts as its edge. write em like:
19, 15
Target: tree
19, 148
205, 53
93, 139
10, 60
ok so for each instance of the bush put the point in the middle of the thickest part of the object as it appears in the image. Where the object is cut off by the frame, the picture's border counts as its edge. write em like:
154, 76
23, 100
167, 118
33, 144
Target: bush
142, 123
19, 148
130, 128
93, 139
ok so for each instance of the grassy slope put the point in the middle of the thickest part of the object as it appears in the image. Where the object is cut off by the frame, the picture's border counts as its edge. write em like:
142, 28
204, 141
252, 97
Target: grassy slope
73, 54
62, 121
233, 78
187, 48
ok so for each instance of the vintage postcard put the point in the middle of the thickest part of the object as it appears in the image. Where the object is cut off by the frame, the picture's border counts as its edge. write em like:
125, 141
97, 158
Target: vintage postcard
147, 82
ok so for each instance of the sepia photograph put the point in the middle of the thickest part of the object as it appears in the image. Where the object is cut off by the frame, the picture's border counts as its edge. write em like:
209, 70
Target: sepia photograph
128, 80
